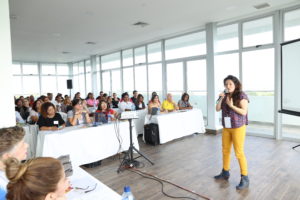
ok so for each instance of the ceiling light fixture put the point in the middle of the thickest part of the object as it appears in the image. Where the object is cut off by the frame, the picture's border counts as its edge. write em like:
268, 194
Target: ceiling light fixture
90, 43
141, 24
261, 6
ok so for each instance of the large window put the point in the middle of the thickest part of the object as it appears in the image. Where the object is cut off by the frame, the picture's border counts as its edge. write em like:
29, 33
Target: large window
258, 32
106, 81
292, 25
127, 56
16, 68
258, 82
48, 69
88, 76
111, 61
31, 85
140, 55
186, 46
62, 69
128, 80
155, 79
154, 52
227, 64
116, 81
49, 84
196, 84
227, 38
175, 84
62, 85
30, 68
140, 75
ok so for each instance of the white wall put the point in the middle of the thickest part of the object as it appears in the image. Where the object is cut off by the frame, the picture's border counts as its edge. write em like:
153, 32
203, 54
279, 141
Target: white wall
7, 115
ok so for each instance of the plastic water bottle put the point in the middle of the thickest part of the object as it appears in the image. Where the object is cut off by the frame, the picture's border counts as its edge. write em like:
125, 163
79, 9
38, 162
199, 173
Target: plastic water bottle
127, 195
95, 106
109, 118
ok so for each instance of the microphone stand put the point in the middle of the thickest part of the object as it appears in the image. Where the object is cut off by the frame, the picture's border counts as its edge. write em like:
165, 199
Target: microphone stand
129, 161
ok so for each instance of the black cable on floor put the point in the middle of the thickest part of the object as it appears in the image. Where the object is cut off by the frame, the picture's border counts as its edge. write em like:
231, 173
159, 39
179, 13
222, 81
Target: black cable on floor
162, 186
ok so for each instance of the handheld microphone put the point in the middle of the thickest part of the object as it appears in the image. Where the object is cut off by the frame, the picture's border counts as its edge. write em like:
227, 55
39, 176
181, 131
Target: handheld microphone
218, 100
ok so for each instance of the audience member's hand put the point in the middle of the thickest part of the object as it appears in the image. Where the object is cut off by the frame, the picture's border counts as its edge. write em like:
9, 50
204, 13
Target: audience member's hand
54, 128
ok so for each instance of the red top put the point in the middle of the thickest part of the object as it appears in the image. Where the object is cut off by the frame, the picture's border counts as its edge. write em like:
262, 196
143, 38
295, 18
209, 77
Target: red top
107, 112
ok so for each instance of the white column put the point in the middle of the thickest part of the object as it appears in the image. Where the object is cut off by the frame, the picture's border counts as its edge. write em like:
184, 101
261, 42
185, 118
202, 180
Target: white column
7, 116
278, 38
94, 74
212, 115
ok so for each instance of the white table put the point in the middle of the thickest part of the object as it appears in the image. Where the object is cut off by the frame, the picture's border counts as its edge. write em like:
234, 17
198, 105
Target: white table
177, 124
30, 138
82, 179
85, 145
140, 122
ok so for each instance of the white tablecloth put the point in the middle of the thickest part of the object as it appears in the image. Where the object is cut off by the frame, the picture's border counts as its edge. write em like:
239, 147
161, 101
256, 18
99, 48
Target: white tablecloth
139, 123
82, 179
30, 138
85, 145
178, 124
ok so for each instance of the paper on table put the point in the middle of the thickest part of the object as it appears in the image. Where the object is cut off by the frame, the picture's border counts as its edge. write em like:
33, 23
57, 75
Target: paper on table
84, 182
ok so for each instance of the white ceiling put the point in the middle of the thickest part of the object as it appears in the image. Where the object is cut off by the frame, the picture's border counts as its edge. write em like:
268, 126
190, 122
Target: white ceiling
43, 29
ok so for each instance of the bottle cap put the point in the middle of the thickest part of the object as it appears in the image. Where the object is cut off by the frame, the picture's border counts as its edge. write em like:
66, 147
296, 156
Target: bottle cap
126, 189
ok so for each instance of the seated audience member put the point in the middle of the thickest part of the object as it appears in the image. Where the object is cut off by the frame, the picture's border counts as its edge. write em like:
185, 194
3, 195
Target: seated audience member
104, 97
109, 102
40, 178
19, 119
26, 105
22, 98
134, 97
104, 108
11, 145
77, 96
44, 99
91, 101
126, 104
50, 97
115, 100
84, 106
184, 103
58, 102
78, 116
49, 119
66, 105
154, 103
169, 105
24, 111
139, 104
31, 100
35, 112
153, 94
100, 96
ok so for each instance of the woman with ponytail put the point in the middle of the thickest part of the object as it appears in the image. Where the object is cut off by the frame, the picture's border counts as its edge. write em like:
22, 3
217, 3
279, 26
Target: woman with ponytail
234, 106
37, 179
11, 145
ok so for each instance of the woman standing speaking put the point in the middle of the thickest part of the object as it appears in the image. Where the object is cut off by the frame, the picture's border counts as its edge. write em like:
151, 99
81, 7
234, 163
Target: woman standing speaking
234, 105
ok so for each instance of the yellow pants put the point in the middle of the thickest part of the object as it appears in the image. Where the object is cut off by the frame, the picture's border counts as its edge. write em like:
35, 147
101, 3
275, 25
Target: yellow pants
237, 137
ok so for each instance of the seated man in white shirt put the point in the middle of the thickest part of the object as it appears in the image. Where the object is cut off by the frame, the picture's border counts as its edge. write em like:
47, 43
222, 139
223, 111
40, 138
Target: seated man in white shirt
11, 145
126, 104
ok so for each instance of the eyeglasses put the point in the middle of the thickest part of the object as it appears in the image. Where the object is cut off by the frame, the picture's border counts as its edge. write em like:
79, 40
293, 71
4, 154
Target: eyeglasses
87, 189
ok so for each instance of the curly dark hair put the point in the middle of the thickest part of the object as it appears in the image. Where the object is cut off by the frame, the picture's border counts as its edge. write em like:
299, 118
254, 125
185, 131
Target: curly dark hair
184, 95
99, 105
44, 109
237, 91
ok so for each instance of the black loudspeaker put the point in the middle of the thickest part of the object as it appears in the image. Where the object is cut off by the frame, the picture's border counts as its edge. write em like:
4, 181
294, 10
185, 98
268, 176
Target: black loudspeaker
69, 84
